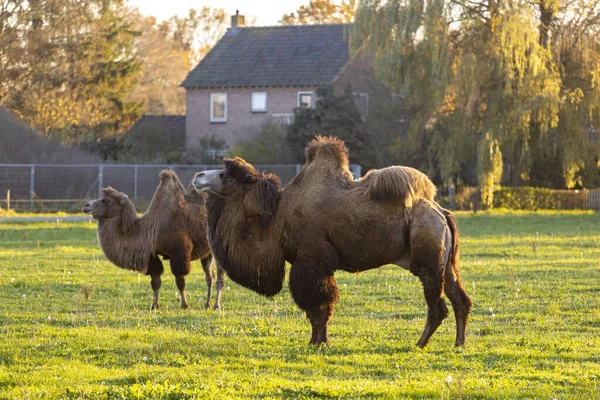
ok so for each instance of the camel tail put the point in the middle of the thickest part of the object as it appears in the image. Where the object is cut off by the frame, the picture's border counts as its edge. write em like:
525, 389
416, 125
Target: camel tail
454, 256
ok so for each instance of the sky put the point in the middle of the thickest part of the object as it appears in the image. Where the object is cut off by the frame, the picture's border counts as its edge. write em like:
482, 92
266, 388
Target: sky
267, 12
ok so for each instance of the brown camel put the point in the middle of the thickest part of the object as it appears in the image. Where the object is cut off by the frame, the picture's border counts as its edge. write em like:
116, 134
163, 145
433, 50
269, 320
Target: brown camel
324, 221
173, 226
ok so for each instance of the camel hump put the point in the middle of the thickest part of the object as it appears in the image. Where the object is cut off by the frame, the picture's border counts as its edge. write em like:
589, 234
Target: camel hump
327, 147
169, 181
167, 174
399, 184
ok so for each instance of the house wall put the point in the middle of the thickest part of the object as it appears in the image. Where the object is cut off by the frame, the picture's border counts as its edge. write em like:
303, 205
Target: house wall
241, 121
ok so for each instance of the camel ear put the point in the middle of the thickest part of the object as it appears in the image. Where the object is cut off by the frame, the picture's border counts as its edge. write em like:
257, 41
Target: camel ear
122, 198
262, 200
239, 169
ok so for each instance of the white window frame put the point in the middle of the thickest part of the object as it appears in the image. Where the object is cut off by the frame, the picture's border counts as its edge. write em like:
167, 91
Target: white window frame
258, 110
312, 98
212, 114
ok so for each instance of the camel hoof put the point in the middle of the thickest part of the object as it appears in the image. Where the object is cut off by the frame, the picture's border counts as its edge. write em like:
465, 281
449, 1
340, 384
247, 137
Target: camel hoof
185, 306
217, 307
459, 343
155, 306
207, 306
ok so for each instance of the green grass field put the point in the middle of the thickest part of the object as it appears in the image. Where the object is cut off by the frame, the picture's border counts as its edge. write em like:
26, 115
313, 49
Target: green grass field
74, 326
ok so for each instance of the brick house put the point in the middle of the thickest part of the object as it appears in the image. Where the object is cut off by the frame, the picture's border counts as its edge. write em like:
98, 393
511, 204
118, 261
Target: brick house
259, 74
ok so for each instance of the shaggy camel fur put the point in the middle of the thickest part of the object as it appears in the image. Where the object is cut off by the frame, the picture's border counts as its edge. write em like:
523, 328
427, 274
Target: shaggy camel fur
173, 226
324, 221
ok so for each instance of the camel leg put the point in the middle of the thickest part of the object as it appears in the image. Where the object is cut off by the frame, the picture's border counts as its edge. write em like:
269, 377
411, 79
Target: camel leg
461, 302
208, 275
180, 267
319, 319
436, 308
220, 285
155, 270
315, 291
430, 252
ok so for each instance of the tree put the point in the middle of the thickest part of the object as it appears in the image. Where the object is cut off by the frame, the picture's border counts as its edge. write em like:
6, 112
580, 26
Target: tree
76, 68
574, 30
321, 12
517, 77
165, 63
265, 145
333, 116
168, 50
199, 31
10, 50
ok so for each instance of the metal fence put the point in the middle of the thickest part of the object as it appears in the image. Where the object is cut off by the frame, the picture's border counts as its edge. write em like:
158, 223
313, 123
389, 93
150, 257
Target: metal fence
594, 199
33, 185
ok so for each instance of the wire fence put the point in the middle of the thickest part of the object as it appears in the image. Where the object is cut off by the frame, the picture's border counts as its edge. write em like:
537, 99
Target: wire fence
66, 187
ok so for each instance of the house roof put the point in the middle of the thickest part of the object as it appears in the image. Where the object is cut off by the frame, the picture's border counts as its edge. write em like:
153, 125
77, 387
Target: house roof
292, 55
157, 132
170, 124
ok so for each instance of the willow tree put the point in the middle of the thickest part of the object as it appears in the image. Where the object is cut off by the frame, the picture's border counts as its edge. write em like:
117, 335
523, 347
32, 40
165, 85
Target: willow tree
574, 29
489, 168
472, 71
412, 57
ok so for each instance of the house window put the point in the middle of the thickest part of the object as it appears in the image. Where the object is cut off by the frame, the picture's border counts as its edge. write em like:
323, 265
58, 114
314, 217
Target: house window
305, 99
259, 101
283, 119
361, 100
218, 107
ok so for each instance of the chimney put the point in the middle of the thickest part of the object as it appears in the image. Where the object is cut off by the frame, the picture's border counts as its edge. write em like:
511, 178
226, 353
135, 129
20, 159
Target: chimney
237, 20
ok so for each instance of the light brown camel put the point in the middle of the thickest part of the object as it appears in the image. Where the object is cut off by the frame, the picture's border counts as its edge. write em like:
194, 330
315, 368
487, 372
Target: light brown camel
324, 221
173, 226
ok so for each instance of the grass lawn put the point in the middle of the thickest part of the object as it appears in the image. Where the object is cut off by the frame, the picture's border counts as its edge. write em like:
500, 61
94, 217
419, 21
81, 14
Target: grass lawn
72, 325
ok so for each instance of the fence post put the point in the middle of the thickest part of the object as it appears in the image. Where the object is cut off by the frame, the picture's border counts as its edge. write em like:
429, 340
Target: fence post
31, 185
356, 170
135, 180
8, 199
100, 179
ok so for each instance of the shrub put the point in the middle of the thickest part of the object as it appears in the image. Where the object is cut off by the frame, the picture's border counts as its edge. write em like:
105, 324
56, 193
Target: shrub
267, 145
531, 198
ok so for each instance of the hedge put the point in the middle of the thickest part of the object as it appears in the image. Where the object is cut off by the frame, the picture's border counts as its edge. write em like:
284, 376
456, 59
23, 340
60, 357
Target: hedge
532, 198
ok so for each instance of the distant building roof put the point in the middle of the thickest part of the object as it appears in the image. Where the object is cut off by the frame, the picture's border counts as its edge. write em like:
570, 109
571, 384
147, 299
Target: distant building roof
169, 124
21, 144
293, 55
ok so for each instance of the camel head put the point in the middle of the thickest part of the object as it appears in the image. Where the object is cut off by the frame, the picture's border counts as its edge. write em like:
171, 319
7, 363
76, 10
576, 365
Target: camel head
258, 193
108, 206
237, 175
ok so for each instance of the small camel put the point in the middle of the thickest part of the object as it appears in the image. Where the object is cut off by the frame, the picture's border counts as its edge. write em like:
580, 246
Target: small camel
173, 226
325, 220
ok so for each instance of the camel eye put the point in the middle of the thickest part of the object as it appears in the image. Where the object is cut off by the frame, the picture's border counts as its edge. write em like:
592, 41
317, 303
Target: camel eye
224, 178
